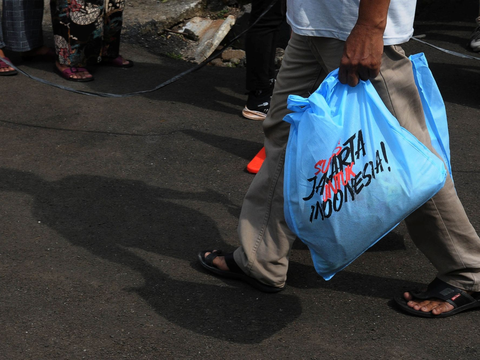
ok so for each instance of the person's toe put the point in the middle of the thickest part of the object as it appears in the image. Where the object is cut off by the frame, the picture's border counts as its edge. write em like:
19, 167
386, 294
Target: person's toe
124, 61
219, 262
442, 307
85, 75
436, 307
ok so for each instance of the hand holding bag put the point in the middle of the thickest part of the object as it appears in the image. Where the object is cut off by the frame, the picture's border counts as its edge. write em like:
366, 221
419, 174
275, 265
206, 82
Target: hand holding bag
352, 173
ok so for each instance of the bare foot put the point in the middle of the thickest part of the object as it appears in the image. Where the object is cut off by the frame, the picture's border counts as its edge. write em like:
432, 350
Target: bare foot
435, 306
76, 74
219, 262
4, 67
119, 61
124, 61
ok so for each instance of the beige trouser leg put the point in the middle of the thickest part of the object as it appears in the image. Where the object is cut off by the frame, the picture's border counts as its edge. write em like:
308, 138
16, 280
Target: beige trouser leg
440, 228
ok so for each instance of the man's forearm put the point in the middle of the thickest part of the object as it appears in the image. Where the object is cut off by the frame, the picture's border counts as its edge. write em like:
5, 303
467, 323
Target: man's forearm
373, 13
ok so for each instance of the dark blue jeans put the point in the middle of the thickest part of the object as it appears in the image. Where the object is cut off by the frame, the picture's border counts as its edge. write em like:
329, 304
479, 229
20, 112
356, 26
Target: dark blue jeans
261, 43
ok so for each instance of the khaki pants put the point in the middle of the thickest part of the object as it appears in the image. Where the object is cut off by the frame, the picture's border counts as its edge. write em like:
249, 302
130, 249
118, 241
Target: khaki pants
440, 228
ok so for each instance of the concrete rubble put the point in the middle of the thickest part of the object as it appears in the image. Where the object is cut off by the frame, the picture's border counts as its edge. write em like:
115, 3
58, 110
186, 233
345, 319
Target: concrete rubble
191, 30
184, 29
210, 33
153, 15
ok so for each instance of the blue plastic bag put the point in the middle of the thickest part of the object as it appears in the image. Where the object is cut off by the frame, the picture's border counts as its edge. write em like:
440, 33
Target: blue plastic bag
352, 173
433, 107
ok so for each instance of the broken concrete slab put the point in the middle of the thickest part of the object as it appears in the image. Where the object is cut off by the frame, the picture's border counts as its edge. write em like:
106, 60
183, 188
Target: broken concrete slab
210, 34
150, 16
156, 16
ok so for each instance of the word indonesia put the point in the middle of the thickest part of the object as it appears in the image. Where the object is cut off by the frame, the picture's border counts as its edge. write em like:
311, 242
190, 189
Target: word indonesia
335, 182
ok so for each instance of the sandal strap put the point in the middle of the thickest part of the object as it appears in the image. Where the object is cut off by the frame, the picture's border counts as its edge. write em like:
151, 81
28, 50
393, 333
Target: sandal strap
439, 289
212, 256
232, 264
78, 69
230, 261
3, 64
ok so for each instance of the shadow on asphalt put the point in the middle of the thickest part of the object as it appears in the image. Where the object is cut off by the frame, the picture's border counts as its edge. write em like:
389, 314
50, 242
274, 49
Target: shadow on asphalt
115, 219
238, 147
210, 88
446, 75
303, 276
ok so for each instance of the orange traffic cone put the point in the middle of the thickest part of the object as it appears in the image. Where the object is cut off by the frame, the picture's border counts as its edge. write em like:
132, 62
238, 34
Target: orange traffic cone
256, 163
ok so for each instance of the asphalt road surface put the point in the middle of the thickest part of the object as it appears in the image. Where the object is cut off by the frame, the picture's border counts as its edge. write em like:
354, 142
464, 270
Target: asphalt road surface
106, 201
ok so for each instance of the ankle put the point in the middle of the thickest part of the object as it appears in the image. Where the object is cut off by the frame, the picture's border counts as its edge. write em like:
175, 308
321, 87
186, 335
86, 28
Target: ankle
232, 264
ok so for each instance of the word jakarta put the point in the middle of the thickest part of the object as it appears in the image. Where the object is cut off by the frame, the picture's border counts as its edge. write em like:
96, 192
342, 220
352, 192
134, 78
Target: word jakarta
338, 180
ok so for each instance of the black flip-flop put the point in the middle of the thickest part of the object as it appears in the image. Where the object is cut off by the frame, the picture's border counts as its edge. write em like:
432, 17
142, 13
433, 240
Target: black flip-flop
235, 272
438, 289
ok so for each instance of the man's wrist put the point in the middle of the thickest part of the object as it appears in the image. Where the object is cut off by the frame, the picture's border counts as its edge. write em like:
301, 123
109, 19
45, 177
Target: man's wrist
373, 14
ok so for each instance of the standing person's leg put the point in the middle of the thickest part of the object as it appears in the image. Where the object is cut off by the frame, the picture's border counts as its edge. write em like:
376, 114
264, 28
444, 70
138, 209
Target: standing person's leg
2, 43
440, 228
73, 25
23, 24
5, 69
112, 28
265, 238
260, 48
23, 27
260, 44
475, 37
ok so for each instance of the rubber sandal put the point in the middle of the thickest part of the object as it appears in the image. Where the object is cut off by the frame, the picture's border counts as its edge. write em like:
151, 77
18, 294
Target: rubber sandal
117, 62
438, 289
69, 72
4, 65
235, 272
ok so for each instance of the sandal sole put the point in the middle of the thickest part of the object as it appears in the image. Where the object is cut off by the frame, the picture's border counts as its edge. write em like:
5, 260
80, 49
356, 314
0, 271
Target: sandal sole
253, 115
68, 78
243, 277
402, 303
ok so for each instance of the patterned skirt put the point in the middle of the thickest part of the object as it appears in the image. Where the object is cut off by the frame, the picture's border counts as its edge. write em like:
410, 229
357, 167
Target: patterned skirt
22, 25
86, 30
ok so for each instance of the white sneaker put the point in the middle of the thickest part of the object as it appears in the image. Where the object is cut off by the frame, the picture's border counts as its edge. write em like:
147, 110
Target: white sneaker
475, 41
475, 38
258, 104
253, 115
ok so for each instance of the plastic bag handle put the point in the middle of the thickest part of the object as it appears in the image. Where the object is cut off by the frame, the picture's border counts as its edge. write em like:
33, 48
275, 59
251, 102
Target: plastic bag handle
297, 103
